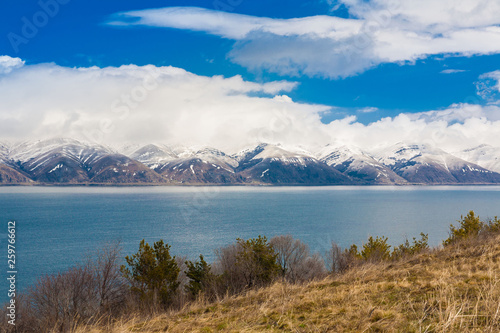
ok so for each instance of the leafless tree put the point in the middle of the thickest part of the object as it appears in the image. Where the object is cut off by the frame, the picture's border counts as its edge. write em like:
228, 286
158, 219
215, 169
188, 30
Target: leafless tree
180, 297
337, 261
108, 281
297, 263
85, 292
226, 266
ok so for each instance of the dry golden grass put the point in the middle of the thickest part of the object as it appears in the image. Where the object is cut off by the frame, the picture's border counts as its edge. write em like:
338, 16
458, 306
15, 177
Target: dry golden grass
456, 289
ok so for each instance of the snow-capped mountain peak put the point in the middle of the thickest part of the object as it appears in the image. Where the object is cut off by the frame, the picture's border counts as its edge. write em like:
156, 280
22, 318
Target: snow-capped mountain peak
65, 160
334, 155
484, 155
420, 163
154, 155
71, 148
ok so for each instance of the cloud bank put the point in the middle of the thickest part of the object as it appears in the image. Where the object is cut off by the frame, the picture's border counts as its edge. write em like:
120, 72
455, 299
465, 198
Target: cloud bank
144, 104
147, 104
7, 64
379, 31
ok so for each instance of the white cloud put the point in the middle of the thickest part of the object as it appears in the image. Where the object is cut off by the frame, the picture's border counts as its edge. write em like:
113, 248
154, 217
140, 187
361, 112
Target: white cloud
488, 86
434, 15
7, 64
460, 113
144, 104
436, 128
149, 104
369, 109
236, 26
380, 31
452, 71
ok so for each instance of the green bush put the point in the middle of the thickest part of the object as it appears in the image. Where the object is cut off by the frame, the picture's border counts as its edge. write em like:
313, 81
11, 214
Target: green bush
376, 249
353, 253
257, 260
199, 275
470, 226
494, 225
245, 264
407, 249
153, 273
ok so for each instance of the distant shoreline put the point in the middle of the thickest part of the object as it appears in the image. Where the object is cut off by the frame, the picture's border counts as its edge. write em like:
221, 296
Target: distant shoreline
234, 185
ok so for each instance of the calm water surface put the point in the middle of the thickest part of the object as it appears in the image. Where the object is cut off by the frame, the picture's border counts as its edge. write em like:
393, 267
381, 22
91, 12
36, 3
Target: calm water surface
57, 226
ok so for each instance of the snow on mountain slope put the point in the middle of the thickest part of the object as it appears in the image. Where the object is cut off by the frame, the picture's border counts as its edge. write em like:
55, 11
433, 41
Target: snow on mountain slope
210, 155
72, 161
265, 150
4, 153
429, 165
356, 163
275, 165
36, 153
117, 168
485, 155
56, 160
200, 165
278, 153
154, 155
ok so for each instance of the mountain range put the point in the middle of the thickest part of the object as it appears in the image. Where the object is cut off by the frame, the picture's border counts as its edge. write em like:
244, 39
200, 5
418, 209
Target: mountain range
68, 161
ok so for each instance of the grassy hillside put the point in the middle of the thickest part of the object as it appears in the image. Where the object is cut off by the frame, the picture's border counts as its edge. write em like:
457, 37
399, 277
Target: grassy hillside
452, 289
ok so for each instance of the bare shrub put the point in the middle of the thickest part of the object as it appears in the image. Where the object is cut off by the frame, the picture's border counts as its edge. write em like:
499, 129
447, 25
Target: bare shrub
63, 299
86, 293
230, 278
111, 288
313, 267
296, 262
337, 260
180, 297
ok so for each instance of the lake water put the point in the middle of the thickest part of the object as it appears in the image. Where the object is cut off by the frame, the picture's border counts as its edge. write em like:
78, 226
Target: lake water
57, 226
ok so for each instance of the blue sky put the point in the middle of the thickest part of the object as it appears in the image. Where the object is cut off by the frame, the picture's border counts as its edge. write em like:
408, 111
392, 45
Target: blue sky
77, 36
404, 77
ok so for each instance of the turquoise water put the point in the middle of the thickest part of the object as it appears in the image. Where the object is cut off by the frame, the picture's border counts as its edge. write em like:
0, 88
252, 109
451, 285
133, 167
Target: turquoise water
57, 226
